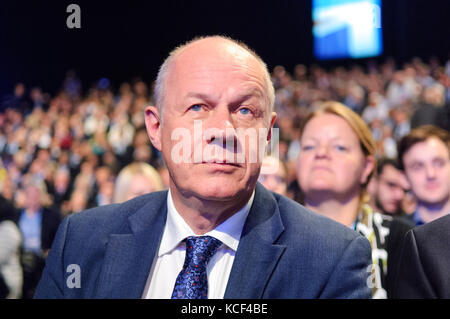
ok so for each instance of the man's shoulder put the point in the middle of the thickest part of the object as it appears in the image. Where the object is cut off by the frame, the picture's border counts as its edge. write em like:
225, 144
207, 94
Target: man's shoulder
397, 223
300, 221
321, 244
427, 248
435, 231
113, 216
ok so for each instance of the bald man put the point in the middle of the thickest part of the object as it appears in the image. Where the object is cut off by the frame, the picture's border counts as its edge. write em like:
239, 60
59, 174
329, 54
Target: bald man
216, 233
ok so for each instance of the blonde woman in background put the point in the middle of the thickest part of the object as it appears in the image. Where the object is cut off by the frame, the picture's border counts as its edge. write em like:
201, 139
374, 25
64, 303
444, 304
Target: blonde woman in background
274, 175
136, 179
335, 164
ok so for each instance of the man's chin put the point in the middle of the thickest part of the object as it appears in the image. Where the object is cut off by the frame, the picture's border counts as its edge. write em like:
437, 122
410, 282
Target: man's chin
435, 201
218, 191
218, 194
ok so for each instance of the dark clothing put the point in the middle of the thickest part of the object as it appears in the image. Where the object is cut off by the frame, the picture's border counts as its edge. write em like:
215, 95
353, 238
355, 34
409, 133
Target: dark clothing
7, 210
423, 268
32, 263
415, 218
432, 115
4, 289
19, 103
384, 233
398, 227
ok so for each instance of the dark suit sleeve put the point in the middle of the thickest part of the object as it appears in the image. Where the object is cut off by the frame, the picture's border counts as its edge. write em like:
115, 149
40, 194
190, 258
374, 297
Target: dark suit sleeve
411, 280
52, 281
397, 232
349, 278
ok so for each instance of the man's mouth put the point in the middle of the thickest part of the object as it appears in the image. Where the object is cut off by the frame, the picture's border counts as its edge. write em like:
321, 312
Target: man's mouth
221, 162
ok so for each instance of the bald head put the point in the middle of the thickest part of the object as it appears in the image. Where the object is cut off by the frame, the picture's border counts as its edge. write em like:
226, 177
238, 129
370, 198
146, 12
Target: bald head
209, 49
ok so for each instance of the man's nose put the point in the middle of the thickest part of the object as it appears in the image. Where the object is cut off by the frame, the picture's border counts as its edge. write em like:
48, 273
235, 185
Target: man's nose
220, 125
221, 117
430, 171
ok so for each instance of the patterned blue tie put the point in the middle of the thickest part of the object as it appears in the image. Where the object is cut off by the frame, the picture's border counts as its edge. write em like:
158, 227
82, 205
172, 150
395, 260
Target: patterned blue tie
192, 282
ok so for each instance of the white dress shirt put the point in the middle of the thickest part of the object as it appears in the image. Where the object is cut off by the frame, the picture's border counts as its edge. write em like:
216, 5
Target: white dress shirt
172, 251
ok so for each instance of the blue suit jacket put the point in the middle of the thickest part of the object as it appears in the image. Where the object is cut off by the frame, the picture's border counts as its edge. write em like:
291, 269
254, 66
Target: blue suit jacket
285, 251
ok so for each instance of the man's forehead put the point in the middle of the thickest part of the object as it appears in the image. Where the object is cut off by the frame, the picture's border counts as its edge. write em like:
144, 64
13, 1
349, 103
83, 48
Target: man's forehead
214, 47
429, 148
390, 170
395, 176
212, 53
201, 63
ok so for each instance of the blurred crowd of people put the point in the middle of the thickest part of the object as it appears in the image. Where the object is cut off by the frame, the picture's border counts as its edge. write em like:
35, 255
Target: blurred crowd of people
390, 100
80, 149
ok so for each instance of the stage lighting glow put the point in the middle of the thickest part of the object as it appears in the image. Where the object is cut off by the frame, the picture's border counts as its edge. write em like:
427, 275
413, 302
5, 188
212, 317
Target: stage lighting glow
347, 29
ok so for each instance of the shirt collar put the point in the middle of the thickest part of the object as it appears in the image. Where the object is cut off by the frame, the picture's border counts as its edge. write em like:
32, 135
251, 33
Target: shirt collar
417, 219
176, 229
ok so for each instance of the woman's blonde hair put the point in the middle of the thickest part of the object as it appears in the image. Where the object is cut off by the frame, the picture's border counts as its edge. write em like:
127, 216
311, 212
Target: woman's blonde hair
358, 126
126, 175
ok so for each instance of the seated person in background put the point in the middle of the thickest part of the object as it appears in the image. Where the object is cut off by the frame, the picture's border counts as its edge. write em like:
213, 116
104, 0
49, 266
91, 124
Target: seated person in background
216, 233
38, 226
78, 202
136, 179
424, 155
432, 109
423, 270
334, 166
387, 188
273, 175
11, 276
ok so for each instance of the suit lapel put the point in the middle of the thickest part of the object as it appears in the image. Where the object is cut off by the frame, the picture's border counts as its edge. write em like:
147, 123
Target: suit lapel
257, 255
129, 256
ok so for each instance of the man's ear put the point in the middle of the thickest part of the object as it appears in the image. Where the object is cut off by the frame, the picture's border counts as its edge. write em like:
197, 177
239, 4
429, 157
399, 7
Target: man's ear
272, 123
153, 126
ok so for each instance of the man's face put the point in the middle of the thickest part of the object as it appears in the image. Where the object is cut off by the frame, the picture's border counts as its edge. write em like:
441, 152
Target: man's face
390, 189
212, 89
32, 197
427, 167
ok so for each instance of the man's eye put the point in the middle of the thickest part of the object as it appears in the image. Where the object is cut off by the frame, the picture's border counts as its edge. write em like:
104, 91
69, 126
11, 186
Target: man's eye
391, 185
416, 166
439, 162
244, 111
196, 107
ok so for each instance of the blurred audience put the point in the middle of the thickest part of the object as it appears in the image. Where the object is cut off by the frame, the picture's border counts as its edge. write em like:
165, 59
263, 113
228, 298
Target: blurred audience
77, 141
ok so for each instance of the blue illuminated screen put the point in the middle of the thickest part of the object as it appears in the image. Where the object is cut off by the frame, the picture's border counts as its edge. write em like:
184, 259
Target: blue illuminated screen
347, 29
